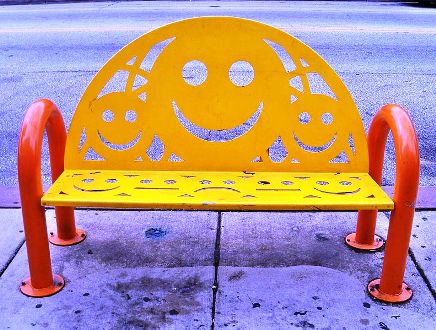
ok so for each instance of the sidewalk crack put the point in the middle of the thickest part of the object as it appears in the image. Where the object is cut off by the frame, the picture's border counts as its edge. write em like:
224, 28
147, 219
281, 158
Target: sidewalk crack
422, 273
216, 263
11, 258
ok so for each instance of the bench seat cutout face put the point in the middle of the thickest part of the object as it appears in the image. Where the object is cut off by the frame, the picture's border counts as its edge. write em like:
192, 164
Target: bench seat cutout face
217, 94
217, 190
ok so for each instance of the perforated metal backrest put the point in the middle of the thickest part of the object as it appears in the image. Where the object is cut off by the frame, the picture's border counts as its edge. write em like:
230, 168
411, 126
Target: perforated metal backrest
217, 93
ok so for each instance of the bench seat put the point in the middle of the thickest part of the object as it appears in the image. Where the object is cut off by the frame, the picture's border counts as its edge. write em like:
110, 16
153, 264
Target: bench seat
205, 190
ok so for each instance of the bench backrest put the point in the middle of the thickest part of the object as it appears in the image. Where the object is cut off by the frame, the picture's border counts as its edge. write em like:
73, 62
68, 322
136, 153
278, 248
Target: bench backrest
217, 93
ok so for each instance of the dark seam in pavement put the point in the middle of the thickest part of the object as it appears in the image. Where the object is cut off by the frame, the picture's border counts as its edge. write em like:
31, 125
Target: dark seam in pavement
422, 209
11, 258
422, 273
216, 263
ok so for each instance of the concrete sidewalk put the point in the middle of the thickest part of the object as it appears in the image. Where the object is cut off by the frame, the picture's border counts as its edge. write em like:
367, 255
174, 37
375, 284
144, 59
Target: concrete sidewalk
149, 270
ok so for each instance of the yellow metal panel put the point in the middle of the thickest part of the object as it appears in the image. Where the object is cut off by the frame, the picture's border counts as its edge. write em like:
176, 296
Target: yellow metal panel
217, 190
171, 100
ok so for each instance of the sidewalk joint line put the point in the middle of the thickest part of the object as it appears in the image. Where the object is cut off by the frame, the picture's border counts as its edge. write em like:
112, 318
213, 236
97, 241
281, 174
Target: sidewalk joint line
422, 273
11, 258
216, 263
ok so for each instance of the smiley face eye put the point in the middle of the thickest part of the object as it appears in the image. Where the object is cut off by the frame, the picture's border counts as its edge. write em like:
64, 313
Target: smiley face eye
322, 183
130, 116
194, 73
108, 116
345, 183
304, 118
241, 73
327, 118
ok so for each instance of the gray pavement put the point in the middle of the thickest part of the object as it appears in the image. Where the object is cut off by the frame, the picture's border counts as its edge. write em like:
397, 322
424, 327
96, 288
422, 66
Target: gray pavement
155, 269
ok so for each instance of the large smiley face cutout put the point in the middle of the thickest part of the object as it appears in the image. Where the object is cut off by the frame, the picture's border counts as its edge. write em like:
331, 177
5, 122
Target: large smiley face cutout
217, 91
240, 74
220, 100
118, 118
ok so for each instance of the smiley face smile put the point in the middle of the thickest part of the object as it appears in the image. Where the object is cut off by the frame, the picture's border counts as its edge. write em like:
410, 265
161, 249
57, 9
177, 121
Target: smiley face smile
315, 148
338, 187
338, 193
123, 146
220, 134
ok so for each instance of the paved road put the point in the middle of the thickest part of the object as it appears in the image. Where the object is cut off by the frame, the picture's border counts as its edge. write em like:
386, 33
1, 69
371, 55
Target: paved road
385, 52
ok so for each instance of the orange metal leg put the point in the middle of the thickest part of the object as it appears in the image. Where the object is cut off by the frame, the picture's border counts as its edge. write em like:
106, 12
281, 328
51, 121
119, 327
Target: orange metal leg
42, 115
67, 233
364, 237
390, 286
41, 282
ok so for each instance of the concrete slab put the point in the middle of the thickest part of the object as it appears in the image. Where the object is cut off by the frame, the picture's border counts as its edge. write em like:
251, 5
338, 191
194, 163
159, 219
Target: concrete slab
135, 270
281, 239
11, 225
144, 238
423, 244
308, 297
283, 243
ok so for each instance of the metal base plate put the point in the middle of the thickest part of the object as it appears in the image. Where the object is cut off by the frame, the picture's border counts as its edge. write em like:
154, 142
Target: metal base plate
377, 244
80, 236
28, 290
374, 291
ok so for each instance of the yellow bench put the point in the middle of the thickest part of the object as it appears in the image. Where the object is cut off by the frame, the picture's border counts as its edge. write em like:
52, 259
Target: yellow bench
217, 113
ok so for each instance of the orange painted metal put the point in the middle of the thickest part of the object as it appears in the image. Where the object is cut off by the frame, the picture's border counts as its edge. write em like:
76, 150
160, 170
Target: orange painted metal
29, 290
42, 115
393, 118
374, 289
79, 236
376, 243
366, 222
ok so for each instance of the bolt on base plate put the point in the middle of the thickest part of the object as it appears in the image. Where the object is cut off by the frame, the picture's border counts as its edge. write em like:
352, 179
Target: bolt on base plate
80, 236
27, 289
374, 291
377, 244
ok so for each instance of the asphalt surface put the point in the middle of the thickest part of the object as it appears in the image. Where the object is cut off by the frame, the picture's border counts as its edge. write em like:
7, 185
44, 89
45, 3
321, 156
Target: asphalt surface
385, 52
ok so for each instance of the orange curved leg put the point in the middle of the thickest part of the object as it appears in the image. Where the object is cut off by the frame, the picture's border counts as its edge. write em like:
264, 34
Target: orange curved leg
390, 286
42, 115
